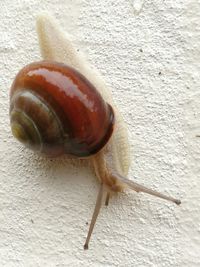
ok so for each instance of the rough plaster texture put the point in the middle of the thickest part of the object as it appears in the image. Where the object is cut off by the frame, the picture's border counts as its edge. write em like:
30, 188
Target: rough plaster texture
149, 54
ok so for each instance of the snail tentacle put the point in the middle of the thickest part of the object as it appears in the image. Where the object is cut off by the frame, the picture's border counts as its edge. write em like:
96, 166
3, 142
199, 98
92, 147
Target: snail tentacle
95, 215
114, 182
117, 183
107, 198
140, 188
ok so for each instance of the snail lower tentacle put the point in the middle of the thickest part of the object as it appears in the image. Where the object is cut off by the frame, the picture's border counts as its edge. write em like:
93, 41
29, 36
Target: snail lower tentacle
104, 173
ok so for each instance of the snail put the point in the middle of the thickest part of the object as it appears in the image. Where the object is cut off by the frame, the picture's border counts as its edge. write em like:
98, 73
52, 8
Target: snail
55, 109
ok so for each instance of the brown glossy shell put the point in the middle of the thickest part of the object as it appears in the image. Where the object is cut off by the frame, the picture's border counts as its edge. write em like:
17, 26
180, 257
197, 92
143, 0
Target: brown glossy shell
56, 110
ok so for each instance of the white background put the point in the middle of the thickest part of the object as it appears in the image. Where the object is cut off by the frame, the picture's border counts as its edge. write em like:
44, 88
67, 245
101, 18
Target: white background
149, 54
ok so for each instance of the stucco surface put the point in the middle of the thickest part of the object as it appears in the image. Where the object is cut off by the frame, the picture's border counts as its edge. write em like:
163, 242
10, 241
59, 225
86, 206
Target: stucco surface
148, 52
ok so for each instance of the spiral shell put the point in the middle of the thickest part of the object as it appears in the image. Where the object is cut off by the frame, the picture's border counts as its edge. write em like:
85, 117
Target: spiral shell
55, 110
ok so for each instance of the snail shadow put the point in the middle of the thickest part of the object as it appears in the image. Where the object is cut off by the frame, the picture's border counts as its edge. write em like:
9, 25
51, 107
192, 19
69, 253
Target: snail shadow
63, 176
64, 168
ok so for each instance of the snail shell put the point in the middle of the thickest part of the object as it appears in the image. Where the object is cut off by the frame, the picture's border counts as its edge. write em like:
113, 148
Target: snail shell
55, 110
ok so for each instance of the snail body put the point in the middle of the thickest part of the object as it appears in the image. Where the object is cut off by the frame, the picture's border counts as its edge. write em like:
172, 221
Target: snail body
57, 45
66, 109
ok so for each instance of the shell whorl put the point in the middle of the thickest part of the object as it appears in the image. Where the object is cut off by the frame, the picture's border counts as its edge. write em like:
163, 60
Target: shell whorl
35, 123
55, 110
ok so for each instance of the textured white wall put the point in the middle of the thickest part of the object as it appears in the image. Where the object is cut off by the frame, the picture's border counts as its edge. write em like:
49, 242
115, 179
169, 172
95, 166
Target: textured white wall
150, 58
